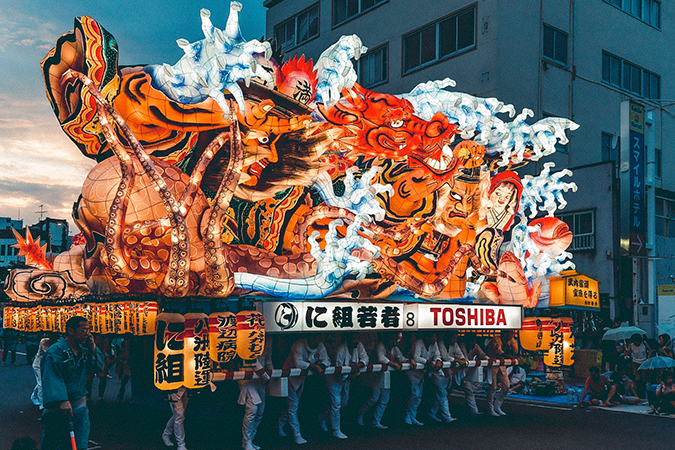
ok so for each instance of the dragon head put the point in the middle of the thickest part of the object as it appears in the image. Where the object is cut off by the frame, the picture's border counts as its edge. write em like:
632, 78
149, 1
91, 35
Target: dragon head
383, 125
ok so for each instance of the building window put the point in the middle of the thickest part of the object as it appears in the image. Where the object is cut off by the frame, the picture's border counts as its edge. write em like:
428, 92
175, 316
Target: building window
630, 77
344, 10
298, 29
372, 67
582, 225
648, 11
664, 209
439, 40
657, 162
610, 144
2, 249
555, 45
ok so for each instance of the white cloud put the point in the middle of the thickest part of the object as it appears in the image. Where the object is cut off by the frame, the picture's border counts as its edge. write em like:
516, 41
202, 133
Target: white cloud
17, 28
15, 123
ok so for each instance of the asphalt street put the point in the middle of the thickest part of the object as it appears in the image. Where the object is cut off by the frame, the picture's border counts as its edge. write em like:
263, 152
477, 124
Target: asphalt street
213, 422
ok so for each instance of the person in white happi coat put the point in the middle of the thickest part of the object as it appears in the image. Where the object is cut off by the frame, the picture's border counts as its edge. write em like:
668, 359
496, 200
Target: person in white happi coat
443, 378
36, 397
309, 353
495, 350
252, 395
471, 351
350, 353
178, 400
425, 354
388, 354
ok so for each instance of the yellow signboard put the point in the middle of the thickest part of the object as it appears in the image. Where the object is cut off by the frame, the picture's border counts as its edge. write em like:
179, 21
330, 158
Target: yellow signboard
573, 289
667, 289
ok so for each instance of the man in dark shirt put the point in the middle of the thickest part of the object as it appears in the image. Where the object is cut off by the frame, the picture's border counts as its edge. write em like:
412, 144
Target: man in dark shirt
64, 369
599, 388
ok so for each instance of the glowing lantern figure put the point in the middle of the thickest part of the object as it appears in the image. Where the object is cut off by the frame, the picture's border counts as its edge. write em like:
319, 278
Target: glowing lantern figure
535, 335
222, 337
196, 351
250, 334
561, 352
169, 361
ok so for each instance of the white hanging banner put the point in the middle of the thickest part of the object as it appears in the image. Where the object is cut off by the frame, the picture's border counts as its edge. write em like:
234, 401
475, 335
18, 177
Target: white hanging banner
320, 316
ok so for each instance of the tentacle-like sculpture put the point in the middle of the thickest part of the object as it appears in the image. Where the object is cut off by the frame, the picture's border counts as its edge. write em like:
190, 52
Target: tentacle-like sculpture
219, 276
176, 282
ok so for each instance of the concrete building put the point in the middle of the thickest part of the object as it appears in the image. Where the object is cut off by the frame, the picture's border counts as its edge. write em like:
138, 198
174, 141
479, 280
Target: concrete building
9, 255
53, 232
584, 60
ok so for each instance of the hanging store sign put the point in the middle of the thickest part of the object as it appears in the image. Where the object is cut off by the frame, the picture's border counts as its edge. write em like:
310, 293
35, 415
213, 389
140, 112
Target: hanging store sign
281, 317
636, 127
574, 290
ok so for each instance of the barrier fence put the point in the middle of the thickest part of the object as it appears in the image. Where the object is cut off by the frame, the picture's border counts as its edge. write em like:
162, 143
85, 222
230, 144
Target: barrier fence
371, 368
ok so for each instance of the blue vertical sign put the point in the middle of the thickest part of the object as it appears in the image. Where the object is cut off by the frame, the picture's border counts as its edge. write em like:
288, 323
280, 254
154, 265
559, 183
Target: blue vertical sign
637, 214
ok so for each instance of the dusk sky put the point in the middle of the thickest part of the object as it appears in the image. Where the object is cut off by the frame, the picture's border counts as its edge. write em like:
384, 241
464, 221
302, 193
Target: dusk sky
38, 163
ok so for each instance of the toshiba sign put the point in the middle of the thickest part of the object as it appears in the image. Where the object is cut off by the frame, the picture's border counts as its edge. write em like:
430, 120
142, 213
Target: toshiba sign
321, 316
499, 317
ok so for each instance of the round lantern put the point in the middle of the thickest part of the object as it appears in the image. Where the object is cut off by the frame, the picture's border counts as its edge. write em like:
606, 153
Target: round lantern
222, 337
535, 334
169, 365
250, 334
196, 351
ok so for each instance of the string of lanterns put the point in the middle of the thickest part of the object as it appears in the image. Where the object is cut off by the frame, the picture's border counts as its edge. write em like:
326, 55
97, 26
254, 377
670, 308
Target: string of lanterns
137, 318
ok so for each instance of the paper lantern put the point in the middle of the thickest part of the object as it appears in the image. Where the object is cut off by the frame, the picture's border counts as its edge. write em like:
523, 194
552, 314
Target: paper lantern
8, 314
250, 334
535, 335
120, 313
196, 351
169, 360
95, 318
108, 318
147, 315
222, 337
48, 314
32, 320
134, 308
562, 348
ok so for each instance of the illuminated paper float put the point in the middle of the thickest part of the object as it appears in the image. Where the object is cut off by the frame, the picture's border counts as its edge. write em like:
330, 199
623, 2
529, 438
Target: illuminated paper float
292, 200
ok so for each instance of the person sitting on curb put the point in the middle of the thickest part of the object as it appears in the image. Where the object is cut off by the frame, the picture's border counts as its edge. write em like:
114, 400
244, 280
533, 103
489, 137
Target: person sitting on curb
663, 400
599, 389
624, 386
